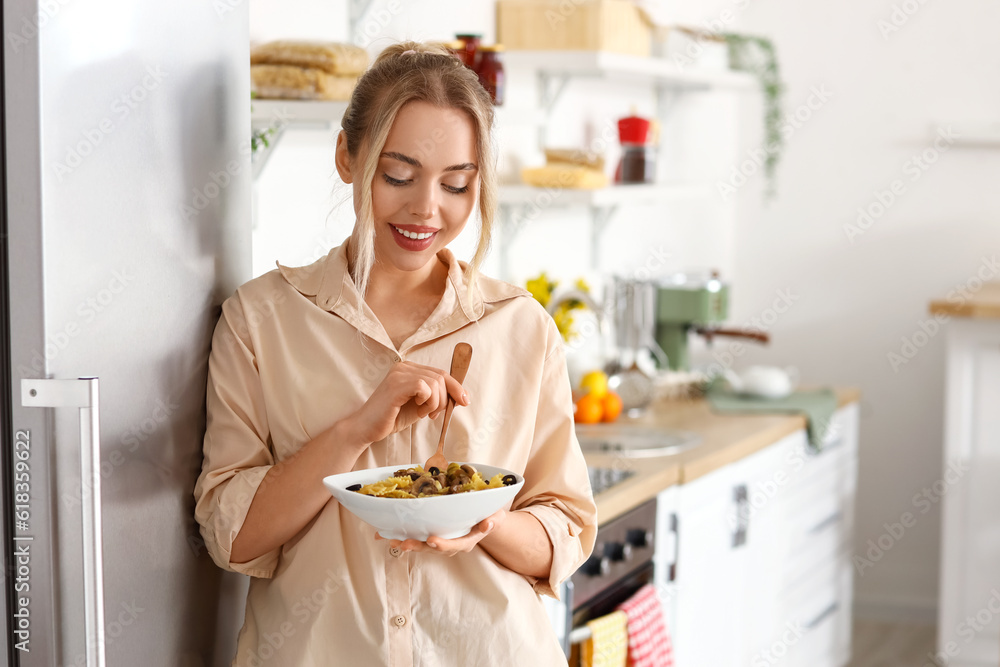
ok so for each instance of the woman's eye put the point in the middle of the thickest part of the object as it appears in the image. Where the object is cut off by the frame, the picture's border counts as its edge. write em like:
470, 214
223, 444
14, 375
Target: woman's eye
393, 181
458, 191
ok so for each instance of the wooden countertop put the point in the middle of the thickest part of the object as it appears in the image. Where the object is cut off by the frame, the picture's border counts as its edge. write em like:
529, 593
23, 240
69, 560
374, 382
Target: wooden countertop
724, 439
984, 304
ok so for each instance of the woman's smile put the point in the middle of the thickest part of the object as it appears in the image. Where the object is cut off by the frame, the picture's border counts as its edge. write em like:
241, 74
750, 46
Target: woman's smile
413, 237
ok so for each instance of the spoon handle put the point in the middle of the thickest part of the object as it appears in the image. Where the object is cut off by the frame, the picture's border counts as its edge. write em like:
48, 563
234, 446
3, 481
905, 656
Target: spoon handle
460, 361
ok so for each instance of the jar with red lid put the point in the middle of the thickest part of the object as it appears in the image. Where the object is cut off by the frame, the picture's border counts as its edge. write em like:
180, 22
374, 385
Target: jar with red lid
470, 55
491, 73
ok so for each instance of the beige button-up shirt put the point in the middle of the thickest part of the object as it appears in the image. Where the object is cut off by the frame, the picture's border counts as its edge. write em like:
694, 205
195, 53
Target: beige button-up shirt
298, 349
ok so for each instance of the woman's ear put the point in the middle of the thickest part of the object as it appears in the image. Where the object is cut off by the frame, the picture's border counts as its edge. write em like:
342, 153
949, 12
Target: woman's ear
343, 158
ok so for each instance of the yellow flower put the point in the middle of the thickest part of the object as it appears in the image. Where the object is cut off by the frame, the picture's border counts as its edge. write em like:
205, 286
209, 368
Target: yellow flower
541, 288
564, 321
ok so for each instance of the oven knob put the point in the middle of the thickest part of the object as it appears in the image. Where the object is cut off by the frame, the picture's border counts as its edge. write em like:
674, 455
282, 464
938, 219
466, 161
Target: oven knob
639, 537
619, 551
597, 566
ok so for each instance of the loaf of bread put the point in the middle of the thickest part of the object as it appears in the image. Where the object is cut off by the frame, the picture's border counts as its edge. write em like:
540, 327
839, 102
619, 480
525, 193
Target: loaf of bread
564, 176
299, 83
574, 156
330, 57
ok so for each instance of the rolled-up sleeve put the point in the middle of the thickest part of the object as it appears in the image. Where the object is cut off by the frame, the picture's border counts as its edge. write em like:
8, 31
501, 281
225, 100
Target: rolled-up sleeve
557, 489
237, 455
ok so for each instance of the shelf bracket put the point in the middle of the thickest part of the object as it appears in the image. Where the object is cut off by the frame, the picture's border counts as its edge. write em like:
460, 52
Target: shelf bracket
512, 219
550, 89
260, 156
356, 11
666, 99
600, 216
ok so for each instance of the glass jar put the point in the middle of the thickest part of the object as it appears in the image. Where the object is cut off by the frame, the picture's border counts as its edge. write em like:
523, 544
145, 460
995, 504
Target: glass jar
470, 55
491, 73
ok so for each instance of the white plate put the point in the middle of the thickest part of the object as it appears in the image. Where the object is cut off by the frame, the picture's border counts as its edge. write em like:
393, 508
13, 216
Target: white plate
446, 517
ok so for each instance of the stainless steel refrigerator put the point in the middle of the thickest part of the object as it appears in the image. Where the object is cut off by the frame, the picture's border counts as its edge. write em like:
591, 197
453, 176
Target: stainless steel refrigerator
126, 223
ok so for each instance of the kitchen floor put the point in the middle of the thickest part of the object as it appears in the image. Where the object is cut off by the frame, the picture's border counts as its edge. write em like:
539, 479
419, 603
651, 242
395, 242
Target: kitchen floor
883, 644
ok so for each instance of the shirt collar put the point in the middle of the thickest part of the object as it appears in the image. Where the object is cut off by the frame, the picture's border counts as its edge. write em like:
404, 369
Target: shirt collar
329, 280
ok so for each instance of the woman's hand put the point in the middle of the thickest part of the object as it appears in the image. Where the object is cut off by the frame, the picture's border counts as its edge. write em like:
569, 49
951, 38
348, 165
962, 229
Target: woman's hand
457, 545
407, 393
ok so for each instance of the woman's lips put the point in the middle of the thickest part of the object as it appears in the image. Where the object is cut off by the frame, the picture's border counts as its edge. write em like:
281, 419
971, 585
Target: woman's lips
413, 244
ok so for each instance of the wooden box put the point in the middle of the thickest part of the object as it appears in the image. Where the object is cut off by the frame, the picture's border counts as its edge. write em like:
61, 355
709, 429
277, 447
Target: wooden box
570, 25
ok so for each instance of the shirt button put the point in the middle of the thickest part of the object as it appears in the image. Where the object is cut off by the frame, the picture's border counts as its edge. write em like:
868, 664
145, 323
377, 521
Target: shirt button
400, 621
395, 551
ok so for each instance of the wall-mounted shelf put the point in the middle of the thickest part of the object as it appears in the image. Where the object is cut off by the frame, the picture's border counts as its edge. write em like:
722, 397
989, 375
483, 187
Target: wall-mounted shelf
521, 203
620, 67
277, 115
969, 134
526, 195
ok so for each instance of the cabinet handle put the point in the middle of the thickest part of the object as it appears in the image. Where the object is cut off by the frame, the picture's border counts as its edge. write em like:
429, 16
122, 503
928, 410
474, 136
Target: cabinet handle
834, 606
82, 394
819, 527
742, 515
675, 529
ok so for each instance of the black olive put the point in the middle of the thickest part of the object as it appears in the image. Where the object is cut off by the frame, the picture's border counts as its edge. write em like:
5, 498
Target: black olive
414, 476
433, 470
486, 482
509, 480
354, 487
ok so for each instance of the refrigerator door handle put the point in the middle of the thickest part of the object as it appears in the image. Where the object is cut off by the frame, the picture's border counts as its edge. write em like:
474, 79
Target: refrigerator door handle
82, 394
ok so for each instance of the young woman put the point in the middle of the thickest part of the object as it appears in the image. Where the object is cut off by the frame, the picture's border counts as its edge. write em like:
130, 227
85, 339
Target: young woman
337, 366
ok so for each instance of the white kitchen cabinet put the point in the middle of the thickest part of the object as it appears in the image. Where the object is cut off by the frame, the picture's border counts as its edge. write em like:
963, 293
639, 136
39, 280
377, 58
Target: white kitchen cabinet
763, 573
969, 609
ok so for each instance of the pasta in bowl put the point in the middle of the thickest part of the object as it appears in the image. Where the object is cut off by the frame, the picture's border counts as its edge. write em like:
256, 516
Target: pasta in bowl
437, 508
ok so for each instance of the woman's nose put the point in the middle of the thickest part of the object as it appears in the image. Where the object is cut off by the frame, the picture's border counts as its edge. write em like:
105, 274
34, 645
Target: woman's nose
424, 202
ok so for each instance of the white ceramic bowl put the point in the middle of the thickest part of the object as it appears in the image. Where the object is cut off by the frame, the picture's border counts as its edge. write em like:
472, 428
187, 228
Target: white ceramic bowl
446, 517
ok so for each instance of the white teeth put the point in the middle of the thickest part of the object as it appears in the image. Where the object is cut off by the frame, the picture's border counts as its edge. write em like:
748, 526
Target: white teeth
412, 235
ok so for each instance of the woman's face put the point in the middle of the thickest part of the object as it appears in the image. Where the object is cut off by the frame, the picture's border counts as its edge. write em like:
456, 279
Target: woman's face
425, 185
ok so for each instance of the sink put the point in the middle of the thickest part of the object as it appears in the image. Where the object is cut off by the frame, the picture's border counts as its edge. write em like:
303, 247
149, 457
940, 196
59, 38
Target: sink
633, 440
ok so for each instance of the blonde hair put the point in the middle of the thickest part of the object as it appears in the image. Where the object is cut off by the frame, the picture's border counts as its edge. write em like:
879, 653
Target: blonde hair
402, 73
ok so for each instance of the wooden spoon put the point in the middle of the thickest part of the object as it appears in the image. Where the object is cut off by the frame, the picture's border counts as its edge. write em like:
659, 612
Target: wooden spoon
460, 360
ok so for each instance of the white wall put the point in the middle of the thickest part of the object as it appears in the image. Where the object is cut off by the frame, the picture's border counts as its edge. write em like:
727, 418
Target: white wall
858, 298
855, 300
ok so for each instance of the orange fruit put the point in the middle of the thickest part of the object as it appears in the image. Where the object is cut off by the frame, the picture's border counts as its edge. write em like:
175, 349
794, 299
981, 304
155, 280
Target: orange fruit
611, 406
589, 410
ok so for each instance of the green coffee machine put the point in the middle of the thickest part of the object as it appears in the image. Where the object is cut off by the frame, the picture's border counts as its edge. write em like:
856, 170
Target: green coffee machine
698, 302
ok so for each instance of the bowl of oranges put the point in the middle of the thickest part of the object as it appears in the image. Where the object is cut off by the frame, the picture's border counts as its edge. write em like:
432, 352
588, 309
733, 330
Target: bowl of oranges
595, 401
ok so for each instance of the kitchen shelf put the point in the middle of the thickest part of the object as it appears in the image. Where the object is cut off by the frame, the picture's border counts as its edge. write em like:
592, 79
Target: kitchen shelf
285, 112
525, 195
620, 67
277, 115
519, 203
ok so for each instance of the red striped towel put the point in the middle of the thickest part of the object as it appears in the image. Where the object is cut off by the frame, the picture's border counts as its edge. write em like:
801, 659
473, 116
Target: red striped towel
648, 640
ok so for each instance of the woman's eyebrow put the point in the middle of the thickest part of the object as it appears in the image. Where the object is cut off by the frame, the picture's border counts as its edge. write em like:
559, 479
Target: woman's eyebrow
465, 166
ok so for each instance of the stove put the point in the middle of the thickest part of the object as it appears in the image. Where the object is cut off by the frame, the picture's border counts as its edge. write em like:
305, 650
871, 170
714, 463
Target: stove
602, 479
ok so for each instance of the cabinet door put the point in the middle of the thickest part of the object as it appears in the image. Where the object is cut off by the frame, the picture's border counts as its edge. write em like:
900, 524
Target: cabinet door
767, 551
666, 553
709, 574
969, 620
